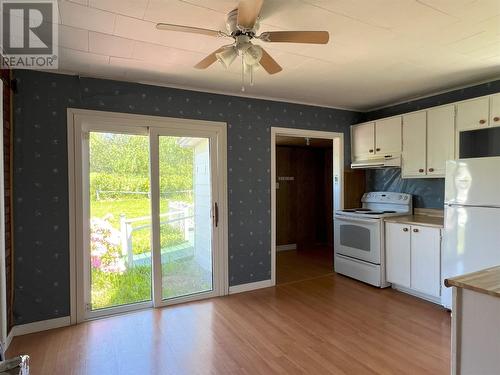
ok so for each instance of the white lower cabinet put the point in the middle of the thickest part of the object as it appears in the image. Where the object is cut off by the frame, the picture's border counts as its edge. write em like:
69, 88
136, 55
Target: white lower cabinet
398, 254
425, 260
413, 254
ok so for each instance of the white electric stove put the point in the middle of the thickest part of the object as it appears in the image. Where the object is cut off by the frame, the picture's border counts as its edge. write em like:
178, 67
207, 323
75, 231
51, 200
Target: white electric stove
359, 236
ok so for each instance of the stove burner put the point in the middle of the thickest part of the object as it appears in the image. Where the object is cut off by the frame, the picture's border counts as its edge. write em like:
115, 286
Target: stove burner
362, 210
374, 213
389, 212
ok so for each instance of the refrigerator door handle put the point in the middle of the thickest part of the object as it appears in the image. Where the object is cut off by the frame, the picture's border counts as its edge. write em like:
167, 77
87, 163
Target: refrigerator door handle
470, 205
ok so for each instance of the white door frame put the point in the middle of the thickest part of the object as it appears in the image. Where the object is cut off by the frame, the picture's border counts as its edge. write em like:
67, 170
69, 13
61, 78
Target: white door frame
152, 124
3, 278
338, 175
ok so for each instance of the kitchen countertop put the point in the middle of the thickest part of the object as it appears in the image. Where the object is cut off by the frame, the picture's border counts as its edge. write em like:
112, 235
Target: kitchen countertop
486, 281
425, 220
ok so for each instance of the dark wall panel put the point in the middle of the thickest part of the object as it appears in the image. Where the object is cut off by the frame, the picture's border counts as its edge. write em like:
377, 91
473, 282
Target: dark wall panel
429, 193
435, 100
7, 148
41, 187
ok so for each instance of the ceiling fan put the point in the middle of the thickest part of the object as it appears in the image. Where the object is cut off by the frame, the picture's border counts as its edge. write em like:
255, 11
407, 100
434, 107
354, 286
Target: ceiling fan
242, 25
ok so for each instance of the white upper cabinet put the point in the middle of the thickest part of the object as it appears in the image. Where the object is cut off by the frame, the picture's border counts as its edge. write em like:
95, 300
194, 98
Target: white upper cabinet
440, 139
428, 141
425, 139
414, 145
363, 141
495, 110
473, 114
388, 136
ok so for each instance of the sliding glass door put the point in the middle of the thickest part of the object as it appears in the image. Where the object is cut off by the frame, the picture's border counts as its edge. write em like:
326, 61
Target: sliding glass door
185, 216
150, 220
119, 236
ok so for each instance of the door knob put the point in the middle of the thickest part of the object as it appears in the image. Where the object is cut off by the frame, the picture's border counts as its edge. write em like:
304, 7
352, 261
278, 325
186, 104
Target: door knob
482, 122
415, 230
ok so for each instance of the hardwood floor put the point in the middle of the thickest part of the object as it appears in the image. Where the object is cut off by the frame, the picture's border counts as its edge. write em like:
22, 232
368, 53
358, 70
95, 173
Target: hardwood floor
297, 265
323, 325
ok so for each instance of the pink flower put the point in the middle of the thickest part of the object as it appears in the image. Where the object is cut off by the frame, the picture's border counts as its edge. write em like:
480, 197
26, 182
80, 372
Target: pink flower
95, 261
104, 246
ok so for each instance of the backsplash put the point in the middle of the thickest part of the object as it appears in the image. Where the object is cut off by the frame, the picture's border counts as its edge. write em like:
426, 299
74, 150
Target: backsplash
427, 193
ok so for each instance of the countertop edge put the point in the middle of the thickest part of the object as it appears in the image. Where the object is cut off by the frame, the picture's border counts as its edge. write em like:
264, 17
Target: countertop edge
411, 220
458, 282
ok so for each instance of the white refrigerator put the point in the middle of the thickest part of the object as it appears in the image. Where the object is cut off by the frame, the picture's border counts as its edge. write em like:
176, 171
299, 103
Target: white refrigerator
471, 240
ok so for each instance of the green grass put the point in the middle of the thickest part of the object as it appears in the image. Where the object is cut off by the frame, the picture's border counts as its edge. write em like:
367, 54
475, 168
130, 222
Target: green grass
113, 289
134, 208
131, 208
134, 285
184, 277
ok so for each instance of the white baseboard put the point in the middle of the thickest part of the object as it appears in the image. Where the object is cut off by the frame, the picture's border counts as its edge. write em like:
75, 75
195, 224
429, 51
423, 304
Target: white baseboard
7, 342
43, 325
250, 286
291, 246
414, 293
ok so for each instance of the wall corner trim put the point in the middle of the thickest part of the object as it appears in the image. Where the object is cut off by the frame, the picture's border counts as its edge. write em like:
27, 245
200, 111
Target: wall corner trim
43, 325
250, 286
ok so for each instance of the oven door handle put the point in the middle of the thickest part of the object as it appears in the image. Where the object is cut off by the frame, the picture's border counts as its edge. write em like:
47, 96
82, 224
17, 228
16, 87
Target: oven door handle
357, 220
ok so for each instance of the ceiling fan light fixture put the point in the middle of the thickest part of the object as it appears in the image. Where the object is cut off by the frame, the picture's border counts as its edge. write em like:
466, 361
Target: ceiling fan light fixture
227, 56
253, 55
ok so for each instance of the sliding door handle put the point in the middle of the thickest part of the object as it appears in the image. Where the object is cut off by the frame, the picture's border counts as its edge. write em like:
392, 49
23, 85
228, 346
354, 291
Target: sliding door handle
216, 214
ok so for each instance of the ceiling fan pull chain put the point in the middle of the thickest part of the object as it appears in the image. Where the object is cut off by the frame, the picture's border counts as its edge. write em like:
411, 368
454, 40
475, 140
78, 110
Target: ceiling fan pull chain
242, 73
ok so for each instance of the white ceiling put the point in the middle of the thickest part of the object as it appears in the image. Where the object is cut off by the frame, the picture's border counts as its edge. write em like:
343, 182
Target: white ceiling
380, 51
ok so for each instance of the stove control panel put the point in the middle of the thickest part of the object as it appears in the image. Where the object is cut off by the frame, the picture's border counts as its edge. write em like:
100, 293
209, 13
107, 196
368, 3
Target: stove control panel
386, 197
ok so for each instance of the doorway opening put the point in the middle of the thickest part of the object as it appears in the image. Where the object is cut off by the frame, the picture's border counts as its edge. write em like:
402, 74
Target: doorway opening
148, 212
307, 181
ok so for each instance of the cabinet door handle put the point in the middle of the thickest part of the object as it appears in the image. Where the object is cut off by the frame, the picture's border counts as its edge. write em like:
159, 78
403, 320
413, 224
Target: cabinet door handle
371, 150
421, 170
405, 229
496, 118
415, 230
482, 122
431, 169
377, 149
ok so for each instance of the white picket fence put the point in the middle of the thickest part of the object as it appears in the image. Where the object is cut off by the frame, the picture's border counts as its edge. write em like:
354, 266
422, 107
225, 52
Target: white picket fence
179, 215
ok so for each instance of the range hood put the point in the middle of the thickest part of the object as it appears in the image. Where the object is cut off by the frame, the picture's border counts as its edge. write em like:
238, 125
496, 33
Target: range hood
388, 161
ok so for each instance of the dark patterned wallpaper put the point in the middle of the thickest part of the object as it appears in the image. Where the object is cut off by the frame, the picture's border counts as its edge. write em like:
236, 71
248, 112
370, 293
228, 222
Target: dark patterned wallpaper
7, 100
428, 192
41, 186
435, 100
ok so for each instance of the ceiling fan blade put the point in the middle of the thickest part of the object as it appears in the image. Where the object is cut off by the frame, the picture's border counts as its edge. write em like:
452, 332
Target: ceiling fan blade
248, 12
189, 29
269, 64
314, 37
209, 60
